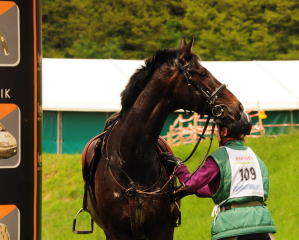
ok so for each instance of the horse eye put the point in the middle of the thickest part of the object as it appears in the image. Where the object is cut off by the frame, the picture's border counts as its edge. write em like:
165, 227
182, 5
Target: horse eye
203, 74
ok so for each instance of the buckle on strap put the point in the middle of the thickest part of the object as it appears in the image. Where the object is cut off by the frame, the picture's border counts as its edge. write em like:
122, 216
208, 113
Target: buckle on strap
240, 205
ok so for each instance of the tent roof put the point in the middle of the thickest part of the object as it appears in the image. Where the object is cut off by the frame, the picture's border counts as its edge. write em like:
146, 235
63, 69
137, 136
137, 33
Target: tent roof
96, 84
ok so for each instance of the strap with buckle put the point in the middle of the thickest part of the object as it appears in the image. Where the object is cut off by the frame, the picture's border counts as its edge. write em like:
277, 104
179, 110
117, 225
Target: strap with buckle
239, 205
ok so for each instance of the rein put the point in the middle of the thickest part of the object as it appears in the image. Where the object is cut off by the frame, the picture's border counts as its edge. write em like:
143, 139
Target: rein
199, 139
132, 189
217, 111
201, 162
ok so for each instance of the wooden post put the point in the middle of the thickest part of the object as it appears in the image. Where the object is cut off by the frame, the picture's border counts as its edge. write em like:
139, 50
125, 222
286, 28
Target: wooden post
260, 124
181, 140
195, 127
169, 135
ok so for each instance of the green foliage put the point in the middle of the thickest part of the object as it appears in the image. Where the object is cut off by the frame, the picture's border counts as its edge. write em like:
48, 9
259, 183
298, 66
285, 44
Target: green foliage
134, 29
63, 191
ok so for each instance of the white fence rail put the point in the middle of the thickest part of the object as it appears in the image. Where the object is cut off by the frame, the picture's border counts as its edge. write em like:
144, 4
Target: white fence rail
187, 130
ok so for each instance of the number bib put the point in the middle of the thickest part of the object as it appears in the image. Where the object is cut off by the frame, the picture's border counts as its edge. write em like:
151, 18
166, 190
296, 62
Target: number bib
246, 177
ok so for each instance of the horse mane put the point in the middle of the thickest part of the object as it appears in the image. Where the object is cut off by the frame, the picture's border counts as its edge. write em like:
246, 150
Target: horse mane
141, 77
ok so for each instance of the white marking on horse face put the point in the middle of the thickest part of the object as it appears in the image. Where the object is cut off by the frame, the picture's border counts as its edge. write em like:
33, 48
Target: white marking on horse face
116, 194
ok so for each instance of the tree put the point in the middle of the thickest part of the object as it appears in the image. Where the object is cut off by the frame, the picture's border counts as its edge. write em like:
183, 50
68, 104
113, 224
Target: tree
135, 29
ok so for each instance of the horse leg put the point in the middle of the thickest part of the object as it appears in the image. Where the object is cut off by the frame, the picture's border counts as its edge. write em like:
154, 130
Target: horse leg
114, 235
162, 234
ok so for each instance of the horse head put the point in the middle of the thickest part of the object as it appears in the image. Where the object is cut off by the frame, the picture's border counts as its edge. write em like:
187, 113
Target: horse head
193, 87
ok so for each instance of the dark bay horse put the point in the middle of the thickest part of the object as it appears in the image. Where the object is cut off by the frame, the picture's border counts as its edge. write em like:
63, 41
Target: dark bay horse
129, 192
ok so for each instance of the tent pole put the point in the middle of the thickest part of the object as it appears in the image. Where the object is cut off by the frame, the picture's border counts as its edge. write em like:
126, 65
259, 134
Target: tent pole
59, 132
292, 120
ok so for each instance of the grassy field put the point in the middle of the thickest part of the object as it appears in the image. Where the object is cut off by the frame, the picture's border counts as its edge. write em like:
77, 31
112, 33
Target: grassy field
63, 190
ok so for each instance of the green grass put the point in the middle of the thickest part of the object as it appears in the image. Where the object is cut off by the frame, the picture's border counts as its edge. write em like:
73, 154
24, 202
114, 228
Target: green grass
63, 190
62, 198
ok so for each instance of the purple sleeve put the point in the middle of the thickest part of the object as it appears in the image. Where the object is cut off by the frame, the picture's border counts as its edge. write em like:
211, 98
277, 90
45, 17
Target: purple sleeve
199, 181
205, 191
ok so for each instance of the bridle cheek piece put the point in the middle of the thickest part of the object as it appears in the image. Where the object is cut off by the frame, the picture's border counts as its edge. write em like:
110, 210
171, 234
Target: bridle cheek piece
219, 110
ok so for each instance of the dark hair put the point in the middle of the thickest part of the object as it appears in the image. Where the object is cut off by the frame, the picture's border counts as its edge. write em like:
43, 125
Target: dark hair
239, 128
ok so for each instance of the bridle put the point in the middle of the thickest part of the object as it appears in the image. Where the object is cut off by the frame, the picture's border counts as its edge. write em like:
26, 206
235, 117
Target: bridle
217, 110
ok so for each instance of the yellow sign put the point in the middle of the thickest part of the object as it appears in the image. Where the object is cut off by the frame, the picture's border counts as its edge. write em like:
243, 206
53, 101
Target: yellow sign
262, 115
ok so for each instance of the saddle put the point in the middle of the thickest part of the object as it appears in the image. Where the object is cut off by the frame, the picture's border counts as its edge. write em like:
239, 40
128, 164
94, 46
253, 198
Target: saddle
89, 152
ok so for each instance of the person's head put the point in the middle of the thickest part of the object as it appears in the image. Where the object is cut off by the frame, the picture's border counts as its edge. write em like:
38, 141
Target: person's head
236, 130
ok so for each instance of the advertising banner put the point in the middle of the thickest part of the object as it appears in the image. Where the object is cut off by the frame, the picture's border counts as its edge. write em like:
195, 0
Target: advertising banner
20, 120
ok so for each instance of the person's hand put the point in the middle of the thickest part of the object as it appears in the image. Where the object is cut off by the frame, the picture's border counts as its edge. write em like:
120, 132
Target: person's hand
180, 193
168, 157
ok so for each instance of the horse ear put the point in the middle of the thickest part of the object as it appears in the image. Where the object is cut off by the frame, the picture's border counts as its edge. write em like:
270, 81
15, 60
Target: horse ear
189, 47
183, 43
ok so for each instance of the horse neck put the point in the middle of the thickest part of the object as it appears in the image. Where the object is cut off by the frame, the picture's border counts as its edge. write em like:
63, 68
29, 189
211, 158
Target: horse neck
138, 130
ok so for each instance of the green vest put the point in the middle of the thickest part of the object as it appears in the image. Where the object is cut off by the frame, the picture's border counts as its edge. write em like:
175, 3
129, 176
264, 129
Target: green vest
243, 220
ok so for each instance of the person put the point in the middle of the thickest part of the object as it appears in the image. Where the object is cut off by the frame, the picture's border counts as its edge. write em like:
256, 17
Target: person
237, 181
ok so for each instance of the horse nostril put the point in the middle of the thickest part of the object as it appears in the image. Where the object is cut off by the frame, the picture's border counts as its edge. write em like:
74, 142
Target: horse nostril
241, 107
239, 113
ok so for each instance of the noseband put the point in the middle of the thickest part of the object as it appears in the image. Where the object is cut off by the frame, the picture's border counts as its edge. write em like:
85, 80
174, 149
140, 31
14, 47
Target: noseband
219, 110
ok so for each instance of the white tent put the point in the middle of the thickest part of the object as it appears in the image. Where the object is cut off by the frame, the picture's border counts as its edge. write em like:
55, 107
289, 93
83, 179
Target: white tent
95, 85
